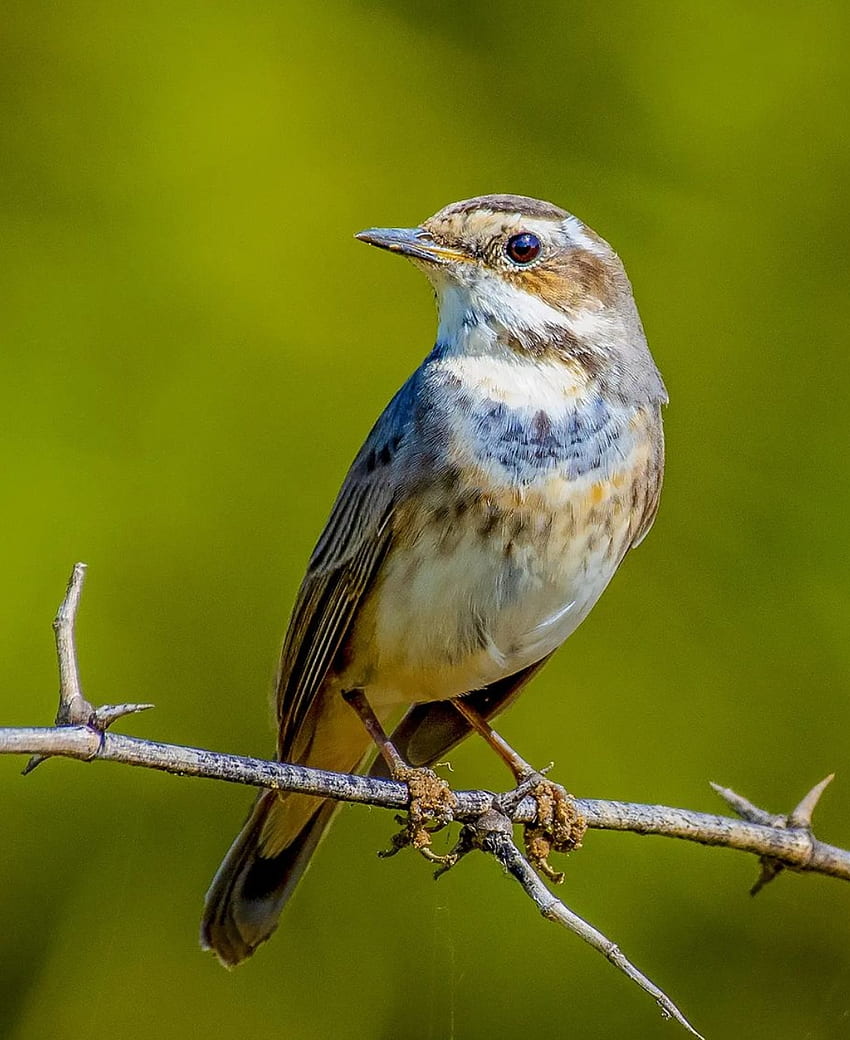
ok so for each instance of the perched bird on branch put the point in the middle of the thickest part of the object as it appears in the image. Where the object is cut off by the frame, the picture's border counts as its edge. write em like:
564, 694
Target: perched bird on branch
482, 519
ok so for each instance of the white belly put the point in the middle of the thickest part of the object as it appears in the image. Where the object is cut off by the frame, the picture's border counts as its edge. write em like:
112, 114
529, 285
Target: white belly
451, 630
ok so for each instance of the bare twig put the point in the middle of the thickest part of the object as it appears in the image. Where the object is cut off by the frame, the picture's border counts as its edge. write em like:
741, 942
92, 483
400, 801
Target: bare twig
494, 835
796, 847
780, 841
73, 708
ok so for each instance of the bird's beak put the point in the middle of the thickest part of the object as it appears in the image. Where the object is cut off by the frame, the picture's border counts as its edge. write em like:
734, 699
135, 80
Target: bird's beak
415, 242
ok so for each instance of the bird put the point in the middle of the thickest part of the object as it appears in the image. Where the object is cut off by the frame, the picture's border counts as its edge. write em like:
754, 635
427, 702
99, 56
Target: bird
480, 522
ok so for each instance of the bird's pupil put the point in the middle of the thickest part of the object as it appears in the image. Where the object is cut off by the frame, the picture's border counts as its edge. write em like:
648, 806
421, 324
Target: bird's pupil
523, 248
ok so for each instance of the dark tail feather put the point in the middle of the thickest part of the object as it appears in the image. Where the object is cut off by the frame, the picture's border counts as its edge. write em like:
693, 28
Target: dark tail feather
249, 891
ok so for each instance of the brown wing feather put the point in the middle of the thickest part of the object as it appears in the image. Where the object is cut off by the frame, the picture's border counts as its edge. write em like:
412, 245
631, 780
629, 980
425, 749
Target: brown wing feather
653, 478
343, 566
327, 602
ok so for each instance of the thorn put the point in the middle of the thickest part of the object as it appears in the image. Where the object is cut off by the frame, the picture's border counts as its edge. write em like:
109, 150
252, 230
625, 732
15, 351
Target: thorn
744, 807
99, 719
802, 815
107, 714
800, 818
770, 868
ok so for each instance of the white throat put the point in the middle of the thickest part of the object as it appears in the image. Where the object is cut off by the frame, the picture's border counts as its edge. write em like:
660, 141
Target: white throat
475, 313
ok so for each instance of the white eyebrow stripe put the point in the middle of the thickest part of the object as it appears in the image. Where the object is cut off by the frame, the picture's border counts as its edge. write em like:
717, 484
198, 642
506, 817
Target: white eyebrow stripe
577, 232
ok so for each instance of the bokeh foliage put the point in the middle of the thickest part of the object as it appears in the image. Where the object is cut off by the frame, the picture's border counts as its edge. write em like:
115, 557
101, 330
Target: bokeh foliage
193, 348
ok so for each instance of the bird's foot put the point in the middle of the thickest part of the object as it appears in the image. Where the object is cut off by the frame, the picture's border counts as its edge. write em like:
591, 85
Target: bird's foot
430, 809
559, 826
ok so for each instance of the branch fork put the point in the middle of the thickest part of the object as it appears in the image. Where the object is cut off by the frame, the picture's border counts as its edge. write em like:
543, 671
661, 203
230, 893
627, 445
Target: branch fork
74, 709
553, 819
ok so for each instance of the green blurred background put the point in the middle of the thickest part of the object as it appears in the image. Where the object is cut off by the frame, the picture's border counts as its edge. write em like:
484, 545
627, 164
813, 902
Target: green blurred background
193, 347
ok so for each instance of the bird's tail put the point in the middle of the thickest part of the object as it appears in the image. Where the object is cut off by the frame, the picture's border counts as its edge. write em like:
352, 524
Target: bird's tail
250, 889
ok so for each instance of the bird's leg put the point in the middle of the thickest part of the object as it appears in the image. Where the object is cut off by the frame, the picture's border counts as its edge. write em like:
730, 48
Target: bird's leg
559, 826
517, 765
431, 798
388, 750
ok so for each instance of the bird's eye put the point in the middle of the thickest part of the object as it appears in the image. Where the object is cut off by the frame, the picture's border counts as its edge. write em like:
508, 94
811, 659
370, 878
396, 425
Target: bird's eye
523, 249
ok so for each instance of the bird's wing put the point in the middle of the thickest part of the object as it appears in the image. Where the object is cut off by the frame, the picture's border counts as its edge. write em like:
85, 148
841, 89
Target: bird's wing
431, 729
653, 478
343, 565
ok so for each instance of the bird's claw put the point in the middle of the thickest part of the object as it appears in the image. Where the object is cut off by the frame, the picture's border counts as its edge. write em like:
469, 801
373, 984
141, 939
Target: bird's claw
431, 808
559, 826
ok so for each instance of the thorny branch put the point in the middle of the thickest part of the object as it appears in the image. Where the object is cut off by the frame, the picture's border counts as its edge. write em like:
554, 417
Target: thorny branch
780, 841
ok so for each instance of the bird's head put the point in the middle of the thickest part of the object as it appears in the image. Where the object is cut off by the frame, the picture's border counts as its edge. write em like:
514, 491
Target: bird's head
528, 270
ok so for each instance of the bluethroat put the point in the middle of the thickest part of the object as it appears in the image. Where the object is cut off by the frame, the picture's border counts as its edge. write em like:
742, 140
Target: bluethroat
481, 520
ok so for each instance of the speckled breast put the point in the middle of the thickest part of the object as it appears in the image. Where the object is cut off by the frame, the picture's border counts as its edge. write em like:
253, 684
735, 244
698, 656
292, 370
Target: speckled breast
520, 520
